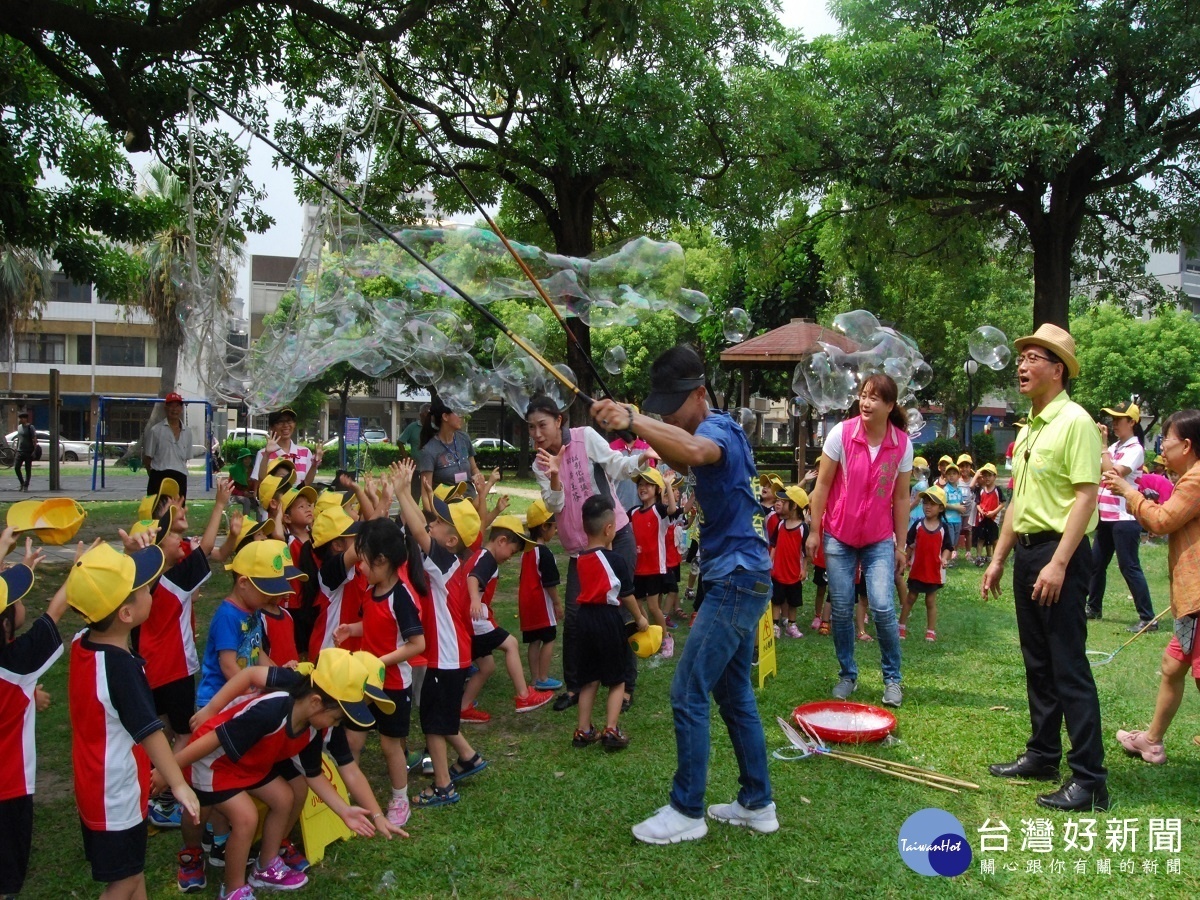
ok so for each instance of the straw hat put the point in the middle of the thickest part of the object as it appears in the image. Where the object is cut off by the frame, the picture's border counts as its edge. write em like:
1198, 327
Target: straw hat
1058, 341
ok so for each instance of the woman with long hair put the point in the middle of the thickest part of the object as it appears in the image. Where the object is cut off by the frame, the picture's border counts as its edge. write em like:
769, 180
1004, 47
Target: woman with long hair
859, 513
1118, 531
447, 454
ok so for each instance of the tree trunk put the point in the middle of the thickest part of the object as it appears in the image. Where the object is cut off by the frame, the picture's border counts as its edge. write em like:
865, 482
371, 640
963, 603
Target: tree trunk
1052, 234
170, 341
576, 201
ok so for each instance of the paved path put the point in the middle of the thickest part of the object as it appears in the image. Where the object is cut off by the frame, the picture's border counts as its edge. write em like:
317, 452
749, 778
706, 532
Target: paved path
77, 483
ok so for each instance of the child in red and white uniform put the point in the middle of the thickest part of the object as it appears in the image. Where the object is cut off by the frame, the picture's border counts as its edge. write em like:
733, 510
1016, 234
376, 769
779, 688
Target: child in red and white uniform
505, 540
538, 605
391, 630
251, 751
24, 659
342, 587
649, 522
930, 544
787, 560
446, 617
670, 602
116, 735
989, 504
604, 587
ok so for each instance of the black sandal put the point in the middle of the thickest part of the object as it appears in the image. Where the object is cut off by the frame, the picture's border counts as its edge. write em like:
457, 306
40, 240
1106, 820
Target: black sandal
466, 768
436, 796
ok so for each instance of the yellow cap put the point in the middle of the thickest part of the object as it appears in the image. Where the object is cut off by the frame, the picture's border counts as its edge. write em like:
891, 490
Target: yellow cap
772, 480
450, 492
168, 487
102, 579
1131, 411
332, 523
268, 565
653, 476
987, 467
15, 583
920, 462
295, 493
1160, 460
269, 487
946, 459
375, 676
160, 527
797, 495
55, 521
282, 467
936, 494
966, 458
249, 530
646, 643
332, 499
343, 678
23, 514
460, 515
538, 514
513, 524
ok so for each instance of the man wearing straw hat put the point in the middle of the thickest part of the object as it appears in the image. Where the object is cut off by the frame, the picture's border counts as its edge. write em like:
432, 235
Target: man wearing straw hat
1056, 475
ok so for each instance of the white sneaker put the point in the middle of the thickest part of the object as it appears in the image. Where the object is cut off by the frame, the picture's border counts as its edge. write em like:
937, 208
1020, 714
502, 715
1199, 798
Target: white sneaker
669, 826
764, 820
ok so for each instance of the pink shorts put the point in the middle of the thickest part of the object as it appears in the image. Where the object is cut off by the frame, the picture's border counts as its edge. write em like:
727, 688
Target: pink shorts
1175, 648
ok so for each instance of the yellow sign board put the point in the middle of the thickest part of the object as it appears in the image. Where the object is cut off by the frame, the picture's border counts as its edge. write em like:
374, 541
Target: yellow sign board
320, 826
766, 648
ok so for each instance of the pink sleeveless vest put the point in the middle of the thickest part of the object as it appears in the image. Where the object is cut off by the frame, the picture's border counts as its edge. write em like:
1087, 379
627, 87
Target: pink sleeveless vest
578, 475
859, 509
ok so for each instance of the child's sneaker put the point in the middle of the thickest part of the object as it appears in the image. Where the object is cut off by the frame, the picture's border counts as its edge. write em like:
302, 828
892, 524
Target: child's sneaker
778, 631
426, 765
670, 623
474, 714
533, 699
216, 853
165, 814
815, 624
668, 646
293, 858
931, 635
245, 892
903, 632
614, 739
277, 876
548, 684
1135, 743
398, 811
792, 631
191, 876
582, 739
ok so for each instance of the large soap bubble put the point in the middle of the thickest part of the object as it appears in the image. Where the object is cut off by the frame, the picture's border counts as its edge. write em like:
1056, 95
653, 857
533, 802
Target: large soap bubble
989, 347
857, 324
614, 360
736, 325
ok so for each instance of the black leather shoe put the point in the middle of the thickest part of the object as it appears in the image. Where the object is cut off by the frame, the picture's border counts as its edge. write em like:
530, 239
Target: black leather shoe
565, 700
1092, 614
1074, 797
1025, 766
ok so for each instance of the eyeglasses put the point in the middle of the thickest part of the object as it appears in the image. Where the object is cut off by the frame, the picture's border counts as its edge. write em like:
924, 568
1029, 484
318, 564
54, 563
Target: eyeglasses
1029, 358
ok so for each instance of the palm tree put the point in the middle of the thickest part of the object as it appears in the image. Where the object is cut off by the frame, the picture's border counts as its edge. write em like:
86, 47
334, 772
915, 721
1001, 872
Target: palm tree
24, 290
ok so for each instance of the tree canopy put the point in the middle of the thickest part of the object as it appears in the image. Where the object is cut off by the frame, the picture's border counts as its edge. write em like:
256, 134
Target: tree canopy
1075, 122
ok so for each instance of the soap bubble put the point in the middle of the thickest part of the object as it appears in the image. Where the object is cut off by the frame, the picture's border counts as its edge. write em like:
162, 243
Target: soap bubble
989, 347
736, 325
747, 419
922, 376
797, 408
916, 421
857, 324
614, 360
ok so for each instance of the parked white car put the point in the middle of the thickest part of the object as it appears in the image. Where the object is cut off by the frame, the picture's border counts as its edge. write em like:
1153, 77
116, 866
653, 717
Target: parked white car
492, 444
242, 434
69, 451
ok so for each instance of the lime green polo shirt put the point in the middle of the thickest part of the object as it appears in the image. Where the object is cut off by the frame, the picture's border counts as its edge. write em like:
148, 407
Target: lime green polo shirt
1058, 449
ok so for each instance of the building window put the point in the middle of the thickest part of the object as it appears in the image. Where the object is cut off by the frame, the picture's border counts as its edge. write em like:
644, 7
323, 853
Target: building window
41, 348
112, 350
67, 291
83, 349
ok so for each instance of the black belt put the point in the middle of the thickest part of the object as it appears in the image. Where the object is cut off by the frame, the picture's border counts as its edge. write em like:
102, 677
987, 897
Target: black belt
1038, 537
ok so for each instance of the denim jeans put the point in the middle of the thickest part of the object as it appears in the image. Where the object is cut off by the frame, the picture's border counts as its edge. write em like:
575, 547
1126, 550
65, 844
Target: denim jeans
879, 571
1123, 538
717, 659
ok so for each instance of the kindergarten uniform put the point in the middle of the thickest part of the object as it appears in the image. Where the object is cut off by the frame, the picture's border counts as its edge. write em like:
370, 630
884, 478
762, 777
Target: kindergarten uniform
987, 529
650, 536
112, 712
604, 579
340, 594
927, 574
280, 637
539, 571
167, 639
388, 622
487, 635
787, 565
446, 618
23, 662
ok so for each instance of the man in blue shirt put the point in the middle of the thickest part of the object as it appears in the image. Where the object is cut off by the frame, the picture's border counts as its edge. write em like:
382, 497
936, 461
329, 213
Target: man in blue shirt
735, 569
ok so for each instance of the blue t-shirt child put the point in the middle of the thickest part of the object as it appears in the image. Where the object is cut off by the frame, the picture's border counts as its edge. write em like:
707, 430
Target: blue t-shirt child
954, 494
917, 513
232, 628
725, 491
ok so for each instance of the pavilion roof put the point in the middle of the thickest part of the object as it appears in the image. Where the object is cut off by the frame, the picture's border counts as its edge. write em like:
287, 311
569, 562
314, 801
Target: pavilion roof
785, 345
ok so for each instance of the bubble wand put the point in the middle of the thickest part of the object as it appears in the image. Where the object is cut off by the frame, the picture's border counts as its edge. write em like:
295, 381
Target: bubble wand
405, 109
403, 245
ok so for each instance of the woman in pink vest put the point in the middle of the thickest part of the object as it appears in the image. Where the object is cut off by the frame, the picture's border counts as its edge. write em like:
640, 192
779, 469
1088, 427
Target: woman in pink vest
572, 465
860, 516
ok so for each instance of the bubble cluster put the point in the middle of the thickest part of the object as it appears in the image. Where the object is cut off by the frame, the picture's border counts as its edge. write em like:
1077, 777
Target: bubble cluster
366, 303
829, 375
989, 347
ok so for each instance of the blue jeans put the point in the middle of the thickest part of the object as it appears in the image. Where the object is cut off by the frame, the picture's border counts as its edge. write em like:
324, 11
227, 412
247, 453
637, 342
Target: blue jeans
1122, 538
879, 571
717, 659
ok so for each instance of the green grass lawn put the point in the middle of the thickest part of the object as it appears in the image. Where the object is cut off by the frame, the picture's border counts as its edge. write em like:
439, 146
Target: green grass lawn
546, 820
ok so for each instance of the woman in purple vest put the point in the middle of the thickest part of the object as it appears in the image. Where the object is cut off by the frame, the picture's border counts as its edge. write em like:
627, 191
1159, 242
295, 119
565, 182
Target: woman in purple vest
574, 464
860, 515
